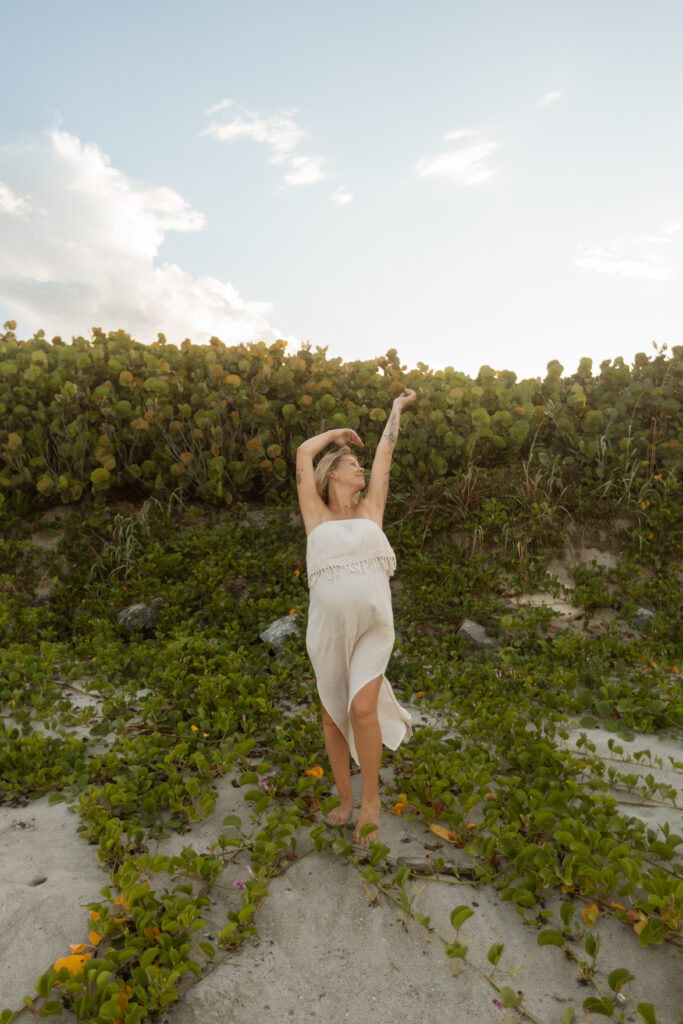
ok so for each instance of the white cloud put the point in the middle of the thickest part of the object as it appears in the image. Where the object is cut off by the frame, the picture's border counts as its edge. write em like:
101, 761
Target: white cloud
281, 133
549, 98
86, 254
649, 258
341, 196
11, 203
304, 170
465, 164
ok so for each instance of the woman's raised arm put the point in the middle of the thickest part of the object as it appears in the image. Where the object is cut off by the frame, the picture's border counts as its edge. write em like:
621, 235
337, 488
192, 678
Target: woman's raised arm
378, 488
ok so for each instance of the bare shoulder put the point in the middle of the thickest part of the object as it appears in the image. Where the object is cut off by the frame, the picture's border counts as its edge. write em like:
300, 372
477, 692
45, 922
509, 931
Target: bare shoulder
368, 509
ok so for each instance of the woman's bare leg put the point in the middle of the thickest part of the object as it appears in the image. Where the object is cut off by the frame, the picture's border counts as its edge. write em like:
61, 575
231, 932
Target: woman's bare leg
338, 754
368, 737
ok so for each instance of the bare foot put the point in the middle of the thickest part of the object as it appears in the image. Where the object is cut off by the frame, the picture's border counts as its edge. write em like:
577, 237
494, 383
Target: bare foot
340, 815
369, 815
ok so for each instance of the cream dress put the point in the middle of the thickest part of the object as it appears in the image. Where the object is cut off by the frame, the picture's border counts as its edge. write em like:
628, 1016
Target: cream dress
350, 632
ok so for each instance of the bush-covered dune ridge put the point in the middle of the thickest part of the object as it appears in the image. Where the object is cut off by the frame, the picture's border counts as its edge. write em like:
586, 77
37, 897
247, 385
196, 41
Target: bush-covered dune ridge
223, 423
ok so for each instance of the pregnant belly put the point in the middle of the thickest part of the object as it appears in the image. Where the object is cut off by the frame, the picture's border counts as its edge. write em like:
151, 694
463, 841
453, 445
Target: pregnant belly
351, 596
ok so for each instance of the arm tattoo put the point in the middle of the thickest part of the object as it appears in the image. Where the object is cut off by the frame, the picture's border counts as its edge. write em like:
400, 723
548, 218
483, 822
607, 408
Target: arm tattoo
391, 430
298, 477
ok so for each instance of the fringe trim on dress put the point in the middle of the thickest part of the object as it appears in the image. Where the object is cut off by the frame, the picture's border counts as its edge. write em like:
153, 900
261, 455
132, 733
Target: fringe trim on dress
354, 563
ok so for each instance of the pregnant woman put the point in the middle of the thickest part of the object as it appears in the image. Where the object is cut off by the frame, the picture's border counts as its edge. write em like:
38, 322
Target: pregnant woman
350, 622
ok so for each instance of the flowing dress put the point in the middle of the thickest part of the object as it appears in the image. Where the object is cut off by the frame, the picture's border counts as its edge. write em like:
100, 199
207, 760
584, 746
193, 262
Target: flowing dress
350, 632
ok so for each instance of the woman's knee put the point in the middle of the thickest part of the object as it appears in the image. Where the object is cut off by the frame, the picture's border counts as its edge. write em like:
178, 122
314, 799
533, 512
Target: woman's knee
364, 705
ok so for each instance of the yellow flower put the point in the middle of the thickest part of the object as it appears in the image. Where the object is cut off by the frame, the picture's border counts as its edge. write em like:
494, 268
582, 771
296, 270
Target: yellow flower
95, 938
420, 693
315, 772
194, 728
73, 963
94, 916
77, 949
402, 804
590, 914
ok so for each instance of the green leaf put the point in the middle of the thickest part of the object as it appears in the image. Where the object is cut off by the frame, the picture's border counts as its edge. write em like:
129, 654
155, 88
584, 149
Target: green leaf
549, 937
53, 1008
567, 911
646, 1013
587, 722
246, 913
149, 956
655, 931
495, 952
459, 915
569, 1015
232, 821
45, 982
618, 978
605, 1007
509, 998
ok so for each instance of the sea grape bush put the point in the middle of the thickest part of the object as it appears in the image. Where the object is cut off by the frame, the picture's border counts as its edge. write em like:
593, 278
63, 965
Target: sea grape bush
222, 423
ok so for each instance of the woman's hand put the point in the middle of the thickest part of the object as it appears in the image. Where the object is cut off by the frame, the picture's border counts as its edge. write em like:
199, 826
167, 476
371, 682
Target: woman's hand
406, 398
344, 435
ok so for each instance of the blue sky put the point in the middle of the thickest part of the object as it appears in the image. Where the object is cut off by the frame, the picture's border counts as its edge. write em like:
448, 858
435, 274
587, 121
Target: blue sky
497, 183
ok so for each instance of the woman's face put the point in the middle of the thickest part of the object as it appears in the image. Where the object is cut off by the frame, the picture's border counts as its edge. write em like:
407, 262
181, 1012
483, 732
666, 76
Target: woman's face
349, 471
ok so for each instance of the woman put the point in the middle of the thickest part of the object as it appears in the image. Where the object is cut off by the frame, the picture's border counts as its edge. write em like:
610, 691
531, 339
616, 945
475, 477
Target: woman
350, 623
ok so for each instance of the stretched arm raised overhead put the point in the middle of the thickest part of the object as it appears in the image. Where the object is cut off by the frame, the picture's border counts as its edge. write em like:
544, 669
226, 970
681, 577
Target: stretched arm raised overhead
378, 488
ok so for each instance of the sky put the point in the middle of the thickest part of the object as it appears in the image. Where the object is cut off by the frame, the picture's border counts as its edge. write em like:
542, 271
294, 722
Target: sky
496, 183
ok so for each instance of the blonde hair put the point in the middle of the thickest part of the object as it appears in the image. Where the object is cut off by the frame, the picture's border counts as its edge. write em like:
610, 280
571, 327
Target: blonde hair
327, 464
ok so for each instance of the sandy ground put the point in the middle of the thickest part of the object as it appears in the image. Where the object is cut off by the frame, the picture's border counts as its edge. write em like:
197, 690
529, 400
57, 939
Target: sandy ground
326, 950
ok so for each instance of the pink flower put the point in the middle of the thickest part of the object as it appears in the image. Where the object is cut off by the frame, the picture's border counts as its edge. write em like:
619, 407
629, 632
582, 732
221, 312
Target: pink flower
239, 884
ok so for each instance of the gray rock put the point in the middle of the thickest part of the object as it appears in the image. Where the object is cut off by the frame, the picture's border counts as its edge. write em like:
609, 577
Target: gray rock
642, 619
276, 633
138, 617
477, 636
